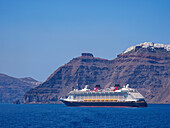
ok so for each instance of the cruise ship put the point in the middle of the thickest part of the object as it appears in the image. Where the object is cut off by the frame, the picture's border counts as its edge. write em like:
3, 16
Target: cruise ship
109, 97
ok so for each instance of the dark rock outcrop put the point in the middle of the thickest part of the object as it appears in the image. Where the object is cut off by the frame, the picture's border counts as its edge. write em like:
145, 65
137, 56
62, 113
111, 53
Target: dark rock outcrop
16, 102
146, 69
12, 89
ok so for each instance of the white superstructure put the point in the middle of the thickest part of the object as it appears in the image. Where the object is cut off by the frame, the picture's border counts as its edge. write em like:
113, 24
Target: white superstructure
124, 94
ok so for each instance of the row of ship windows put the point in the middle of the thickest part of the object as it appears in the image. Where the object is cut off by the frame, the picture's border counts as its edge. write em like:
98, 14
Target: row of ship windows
95, 97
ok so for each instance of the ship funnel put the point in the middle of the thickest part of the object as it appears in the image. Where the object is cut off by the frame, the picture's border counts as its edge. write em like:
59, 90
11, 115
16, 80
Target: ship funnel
117, 87
96, 88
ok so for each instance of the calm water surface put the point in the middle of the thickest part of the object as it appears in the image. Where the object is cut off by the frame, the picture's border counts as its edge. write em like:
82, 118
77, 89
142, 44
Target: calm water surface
60, 116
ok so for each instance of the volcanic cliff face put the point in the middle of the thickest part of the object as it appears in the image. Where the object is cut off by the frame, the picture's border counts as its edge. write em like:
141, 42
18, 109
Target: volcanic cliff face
12, 89
78, 72
145, 67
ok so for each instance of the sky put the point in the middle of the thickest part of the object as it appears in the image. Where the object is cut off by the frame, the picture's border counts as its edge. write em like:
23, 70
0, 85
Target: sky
39, 36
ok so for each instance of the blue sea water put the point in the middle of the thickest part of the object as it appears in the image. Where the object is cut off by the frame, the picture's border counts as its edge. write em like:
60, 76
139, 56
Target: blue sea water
60, 116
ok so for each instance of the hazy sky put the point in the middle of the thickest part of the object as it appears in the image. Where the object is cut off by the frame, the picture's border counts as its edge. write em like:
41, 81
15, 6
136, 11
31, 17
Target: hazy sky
38, 36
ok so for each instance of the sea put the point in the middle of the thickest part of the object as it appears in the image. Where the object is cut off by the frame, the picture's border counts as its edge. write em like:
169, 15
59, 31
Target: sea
60, 116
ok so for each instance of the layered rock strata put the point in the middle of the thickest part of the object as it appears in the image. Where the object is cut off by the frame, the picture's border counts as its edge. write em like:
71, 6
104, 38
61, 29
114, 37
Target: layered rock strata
12, 89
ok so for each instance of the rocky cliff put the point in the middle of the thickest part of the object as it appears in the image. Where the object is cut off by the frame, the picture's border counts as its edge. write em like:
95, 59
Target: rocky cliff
13, 89
145, 67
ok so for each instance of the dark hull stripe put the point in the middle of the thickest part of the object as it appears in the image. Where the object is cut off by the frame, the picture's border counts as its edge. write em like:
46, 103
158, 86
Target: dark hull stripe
105, 104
